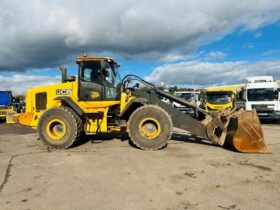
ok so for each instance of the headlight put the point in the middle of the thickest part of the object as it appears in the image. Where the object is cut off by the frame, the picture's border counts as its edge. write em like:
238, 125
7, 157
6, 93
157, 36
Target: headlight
271, 107
277, 112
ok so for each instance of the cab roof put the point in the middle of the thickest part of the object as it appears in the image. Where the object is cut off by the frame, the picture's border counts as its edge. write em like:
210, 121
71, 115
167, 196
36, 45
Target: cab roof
221, 89
85, 57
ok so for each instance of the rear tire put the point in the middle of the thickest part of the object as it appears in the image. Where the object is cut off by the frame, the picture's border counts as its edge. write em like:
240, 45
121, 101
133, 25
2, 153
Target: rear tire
60, 128
150, 127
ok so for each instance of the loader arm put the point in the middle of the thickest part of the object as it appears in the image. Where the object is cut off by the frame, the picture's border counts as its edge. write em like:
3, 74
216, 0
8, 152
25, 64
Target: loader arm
179, 100
179, 120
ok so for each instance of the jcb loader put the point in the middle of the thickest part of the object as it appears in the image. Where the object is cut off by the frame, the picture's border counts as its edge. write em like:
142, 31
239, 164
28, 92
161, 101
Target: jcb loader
100, 102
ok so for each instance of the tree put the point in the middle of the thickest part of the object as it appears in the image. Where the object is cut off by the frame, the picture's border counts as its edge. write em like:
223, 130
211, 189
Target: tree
172, 89
19, 98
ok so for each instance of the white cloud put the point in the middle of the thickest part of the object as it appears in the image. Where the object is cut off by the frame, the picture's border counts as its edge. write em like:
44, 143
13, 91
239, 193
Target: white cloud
215, 55
18, 84
258, 35
210, 73
270, 52
172, 58
38, 34
248, 45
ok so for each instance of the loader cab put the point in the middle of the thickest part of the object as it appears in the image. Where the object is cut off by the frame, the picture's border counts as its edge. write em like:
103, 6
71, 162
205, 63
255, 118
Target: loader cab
99, 79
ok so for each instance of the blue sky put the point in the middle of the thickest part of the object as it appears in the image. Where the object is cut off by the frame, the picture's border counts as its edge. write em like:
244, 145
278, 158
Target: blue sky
252, 46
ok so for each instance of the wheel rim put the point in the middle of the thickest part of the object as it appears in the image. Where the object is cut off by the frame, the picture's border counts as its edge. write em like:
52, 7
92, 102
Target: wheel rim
56, 129
149, 128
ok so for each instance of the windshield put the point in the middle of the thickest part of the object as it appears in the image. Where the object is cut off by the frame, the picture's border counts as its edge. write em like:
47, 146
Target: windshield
186, 96
112, 76
219, 97
262, 94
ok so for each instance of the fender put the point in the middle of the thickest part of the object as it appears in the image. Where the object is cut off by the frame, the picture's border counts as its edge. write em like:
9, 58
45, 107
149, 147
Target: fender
71, 103
131, 106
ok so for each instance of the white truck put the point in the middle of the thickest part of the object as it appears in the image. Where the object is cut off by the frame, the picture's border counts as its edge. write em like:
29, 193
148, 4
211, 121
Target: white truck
190, 96
262, 93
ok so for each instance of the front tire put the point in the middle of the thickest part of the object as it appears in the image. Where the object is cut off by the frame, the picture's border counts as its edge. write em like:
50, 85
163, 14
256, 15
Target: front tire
60, 128
150, 127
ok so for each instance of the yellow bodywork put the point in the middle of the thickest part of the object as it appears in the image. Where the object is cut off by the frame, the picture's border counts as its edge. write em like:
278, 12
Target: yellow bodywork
4, 111
7, 113
98, 110
220, 106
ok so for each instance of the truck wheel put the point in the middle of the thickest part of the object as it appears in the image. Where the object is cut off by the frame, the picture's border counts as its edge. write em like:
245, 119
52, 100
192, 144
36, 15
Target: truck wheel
150, 127
60, 127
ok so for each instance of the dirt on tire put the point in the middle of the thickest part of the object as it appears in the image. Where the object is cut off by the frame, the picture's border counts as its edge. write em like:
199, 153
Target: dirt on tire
150, 111
74, 127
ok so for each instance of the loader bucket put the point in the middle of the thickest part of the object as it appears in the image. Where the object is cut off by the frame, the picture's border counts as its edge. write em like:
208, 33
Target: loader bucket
245, 133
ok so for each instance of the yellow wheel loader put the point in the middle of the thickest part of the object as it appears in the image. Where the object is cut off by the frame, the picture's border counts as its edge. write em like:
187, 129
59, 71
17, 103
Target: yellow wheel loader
100, 102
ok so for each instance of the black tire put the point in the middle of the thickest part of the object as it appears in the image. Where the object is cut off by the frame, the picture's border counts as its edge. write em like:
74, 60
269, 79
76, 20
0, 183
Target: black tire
63, 119
153, 119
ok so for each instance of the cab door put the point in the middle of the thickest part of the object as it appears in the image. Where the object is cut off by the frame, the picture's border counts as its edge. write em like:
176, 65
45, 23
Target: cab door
91, 86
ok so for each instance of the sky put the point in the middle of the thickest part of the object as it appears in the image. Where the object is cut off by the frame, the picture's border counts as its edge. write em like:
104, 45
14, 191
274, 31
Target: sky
188, 43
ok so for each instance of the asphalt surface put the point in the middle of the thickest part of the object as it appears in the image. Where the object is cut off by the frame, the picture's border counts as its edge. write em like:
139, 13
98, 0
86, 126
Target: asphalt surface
110, 174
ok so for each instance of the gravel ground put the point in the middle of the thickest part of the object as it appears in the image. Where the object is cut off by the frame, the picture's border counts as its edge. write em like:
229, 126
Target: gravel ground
107, 173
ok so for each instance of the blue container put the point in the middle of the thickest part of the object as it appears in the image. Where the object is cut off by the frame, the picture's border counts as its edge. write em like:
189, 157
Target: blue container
5, 98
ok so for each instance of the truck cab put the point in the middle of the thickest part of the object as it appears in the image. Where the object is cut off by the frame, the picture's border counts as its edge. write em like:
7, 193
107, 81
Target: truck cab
220, 98
262, 93
5, 103
190, 96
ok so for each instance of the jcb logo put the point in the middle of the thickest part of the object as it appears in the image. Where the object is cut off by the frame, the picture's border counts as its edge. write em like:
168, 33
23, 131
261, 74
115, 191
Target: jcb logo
94, 94
63, 92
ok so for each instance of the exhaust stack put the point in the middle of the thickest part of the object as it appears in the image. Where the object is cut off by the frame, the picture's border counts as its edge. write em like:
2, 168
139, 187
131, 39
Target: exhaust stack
63, 74
64, 77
